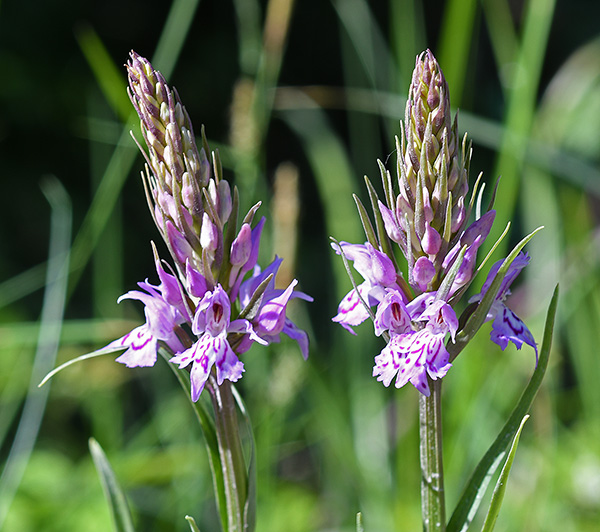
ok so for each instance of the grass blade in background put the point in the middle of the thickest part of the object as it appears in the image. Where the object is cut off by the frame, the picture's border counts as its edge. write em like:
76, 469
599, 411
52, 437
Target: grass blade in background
47, 344
408, 38
475, 489
455, 45
332, 170
520, 109
110, 79
167, 51
119, 510
498, 496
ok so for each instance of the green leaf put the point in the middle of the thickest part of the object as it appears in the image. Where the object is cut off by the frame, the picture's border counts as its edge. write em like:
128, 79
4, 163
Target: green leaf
498, 495
115, 497
475, 489
192, 523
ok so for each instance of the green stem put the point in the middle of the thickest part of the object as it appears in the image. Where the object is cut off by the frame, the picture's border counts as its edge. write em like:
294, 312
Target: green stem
432, 471
232, 457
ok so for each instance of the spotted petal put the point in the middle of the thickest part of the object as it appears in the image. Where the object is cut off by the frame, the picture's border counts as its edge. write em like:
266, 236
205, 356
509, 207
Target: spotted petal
141, 347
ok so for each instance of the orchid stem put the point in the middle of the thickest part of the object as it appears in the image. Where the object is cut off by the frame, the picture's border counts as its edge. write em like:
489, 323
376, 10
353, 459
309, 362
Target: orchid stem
231, 453
432, 472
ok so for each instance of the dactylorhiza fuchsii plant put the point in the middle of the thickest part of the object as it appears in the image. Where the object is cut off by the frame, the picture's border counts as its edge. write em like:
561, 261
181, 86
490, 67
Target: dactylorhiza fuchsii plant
213, 301
414, 307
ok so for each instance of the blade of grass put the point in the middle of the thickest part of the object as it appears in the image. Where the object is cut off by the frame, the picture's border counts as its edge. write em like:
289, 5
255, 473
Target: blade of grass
455, 44
117, 503
110, 79
503, 34
332, 172
408, 38
48, 341
521, 105
169, 46
572, 168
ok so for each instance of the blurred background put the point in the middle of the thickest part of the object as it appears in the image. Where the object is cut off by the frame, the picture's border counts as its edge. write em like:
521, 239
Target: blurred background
301, 99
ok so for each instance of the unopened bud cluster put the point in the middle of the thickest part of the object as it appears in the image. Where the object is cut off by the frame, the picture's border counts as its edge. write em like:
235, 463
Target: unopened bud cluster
429, 211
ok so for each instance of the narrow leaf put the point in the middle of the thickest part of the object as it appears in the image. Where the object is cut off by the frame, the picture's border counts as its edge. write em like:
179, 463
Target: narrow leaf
119, 510
475, 489
498, 495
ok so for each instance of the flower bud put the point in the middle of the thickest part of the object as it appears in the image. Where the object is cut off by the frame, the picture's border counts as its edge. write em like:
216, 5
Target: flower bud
423, 272
241, 246
209, 235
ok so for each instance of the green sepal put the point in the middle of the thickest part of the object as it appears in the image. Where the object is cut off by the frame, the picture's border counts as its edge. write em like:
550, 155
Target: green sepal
250, 214
366, 223
250, 311
117, 503
499, 490
204, 141
217, 166
207, 424
446, 285
476, 487
388, 189
494, 192
384, 240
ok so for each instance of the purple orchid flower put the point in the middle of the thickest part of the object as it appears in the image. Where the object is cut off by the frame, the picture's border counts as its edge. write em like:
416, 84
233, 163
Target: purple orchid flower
411, 354
164, 311
271, 319
378, 272
212, 323
507, 326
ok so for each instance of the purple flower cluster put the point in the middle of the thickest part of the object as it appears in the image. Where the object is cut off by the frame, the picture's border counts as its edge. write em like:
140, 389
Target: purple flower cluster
215, 302
428, 220
418, 329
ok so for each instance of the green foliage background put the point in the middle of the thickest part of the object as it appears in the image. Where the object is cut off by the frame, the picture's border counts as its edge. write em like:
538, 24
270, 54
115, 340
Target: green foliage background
312, 89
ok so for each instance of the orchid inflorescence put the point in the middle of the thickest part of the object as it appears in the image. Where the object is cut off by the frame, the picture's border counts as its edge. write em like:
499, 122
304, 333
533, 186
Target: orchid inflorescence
428, 220
215, 301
